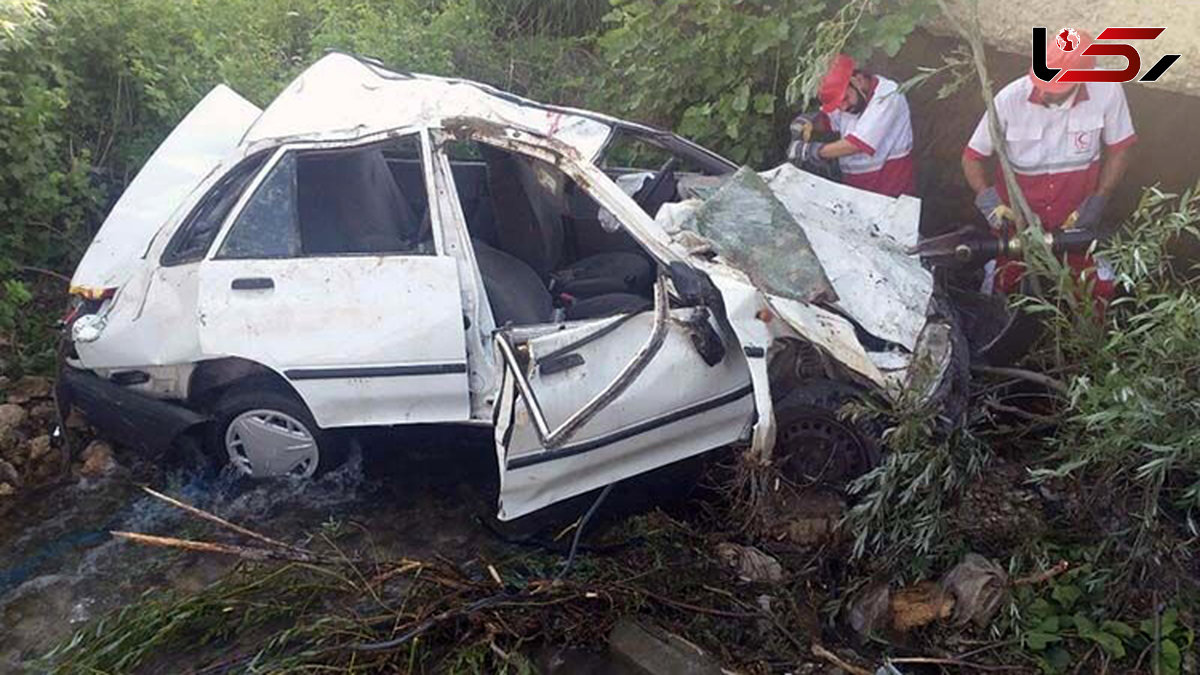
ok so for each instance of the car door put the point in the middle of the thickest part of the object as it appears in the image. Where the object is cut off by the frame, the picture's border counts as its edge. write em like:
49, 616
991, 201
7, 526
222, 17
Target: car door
330, 273
589, 403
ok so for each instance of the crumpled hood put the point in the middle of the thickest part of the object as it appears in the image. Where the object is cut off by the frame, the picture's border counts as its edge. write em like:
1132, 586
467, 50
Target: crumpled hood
829, 259
830, 235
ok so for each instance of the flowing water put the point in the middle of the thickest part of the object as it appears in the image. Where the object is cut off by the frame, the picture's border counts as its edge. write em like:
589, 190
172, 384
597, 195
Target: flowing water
60, 567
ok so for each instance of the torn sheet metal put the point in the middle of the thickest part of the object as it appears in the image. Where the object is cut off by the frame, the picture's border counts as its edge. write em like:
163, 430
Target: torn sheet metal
753, 231
830, 332
860, 238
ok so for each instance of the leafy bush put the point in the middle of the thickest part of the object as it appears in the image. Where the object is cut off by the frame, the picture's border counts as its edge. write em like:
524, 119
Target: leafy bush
730, 74
1132, 422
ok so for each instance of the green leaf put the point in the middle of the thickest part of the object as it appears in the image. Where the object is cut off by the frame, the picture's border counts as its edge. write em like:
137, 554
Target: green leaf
1083, 624
1122, 630
1170, 657
1040, 609
764, 104
1059, 658
1108, 642
741, 98
1038, 641
1170, 619
1066, 595
1048, 625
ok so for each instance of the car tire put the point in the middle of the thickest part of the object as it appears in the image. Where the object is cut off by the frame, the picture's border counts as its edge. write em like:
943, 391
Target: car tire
814, 444
268, 433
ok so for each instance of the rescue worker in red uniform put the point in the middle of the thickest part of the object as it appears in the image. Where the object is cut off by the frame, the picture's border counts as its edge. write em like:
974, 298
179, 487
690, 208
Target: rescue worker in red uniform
1068, 144
868, 117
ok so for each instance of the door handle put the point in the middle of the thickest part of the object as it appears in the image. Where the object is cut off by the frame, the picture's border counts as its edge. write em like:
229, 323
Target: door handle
252, 284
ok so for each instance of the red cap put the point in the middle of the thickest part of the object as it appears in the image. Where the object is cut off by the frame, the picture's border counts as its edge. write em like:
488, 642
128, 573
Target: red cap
833, 86
1065, 59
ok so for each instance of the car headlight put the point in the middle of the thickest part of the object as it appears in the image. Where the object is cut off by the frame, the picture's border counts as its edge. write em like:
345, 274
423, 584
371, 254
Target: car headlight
87, 328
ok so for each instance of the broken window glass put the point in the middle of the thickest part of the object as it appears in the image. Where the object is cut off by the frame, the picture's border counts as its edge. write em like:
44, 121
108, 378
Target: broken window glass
753, 231
267, 227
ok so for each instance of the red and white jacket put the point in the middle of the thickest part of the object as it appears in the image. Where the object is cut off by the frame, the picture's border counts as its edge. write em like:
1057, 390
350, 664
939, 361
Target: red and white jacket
1055, 151
883, 131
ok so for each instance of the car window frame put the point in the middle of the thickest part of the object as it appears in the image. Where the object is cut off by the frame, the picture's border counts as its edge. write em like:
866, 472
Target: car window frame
280, 151
169, 255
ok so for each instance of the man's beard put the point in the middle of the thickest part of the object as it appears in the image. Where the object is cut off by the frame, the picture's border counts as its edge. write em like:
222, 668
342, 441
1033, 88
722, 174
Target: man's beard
861, 105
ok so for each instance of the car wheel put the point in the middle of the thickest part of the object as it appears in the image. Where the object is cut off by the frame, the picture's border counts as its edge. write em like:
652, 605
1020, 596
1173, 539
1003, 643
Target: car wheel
814, 445
265, 433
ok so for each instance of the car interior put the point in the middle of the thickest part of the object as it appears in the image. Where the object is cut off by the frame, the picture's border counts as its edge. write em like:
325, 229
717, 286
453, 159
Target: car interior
543, 251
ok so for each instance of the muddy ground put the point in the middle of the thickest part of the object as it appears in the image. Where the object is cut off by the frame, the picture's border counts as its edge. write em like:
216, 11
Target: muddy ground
416, 494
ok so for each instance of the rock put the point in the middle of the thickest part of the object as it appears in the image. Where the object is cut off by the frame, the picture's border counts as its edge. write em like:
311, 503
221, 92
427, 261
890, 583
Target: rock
38, 448
649, 650
749, 563
44, 414
29, 388
98, 460
11, 417
979, 587
919, 605
42, 462
9, 474
7, 490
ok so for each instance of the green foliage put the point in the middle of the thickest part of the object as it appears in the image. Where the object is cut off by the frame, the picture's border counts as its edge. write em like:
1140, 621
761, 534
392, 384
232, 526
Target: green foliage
1133, 418
1060, 627
728, 74
900, 512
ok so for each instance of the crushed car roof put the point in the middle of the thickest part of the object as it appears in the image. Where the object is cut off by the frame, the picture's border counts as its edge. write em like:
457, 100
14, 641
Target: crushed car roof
343, 97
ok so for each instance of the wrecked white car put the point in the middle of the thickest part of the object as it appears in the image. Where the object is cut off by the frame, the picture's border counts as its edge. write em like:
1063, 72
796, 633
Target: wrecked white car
380, 248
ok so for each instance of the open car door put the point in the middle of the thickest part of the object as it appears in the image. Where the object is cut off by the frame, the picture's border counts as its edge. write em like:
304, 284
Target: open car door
589, 403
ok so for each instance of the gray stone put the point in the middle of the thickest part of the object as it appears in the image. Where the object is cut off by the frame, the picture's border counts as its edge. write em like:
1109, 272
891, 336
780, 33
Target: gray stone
649, 650
29, 388
9, 474
39, 448
11, 417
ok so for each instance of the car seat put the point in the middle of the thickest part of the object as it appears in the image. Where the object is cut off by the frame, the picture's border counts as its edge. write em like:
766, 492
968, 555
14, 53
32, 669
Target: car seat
529, 201
518, 296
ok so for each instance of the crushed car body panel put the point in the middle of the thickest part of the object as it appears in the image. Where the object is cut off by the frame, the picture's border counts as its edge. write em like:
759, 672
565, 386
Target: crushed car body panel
343, 98
861, 240
677, 406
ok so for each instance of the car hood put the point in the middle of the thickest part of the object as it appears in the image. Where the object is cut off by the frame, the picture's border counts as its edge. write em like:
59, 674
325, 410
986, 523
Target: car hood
829, 260
211, 131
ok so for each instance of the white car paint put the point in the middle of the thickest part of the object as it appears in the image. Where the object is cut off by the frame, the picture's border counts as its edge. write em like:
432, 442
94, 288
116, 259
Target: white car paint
193, 150
365, 340
710, 406
353, 325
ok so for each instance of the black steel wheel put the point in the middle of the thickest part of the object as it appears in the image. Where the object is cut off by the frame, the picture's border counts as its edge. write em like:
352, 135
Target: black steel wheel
813, 445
